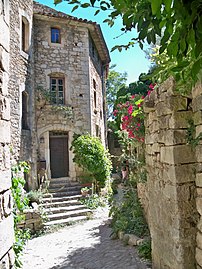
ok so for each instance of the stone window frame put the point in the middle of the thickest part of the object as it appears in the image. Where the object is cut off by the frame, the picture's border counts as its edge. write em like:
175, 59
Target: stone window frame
58, 73
55, 26
27, 20
57, 97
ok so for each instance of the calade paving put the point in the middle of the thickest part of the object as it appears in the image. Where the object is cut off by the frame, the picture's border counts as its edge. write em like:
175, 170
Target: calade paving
84, 245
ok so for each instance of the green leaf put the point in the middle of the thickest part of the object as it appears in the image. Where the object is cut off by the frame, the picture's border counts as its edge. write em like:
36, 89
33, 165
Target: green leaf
74, 8
85, 5
156, 6
96, 12
92, 2
168, 4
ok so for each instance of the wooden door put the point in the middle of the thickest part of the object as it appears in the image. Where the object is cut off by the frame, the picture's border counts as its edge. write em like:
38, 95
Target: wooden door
59, 161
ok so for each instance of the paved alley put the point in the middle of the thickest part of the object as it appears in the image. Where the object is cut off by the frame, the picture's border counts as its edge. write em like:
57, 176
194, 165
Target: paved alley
85, 245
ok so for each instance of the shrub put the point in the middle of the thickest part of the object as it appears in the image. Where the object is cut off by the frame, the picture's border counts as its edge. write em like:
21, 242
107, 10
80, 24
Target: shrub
90, 154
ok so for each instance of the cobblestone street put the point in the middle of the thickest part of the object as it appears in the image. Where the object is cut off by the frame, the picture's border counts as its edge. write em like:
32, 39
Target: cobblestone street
85, 245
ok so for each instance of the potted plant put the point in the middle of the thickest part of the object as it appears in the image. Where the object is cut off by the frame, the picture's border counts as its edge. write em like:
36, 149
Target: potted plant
85, 191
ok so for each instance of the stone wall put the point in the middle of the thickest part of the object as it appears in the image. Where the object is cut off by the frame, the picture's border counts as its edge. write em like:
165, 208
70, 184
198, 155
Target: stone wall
6, 219
197, 109
33, 220
171, 190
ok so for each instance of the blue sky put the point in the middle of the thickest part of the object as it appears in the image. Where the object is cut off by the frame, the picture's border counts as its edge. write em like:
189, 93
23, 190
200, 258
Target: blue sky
132, 61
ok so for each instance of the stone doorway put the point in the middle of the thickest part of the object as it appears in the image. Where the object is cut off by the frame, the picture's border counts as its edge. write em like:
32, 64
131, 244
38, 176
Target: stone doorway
59, 155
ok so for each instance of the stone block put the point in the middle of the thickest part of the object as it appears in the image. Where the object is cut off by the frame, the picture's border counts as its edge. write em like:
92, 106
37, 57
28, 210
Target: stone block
4, 38
4, 108
197, 103
167, 86
154, 126
164, 121
173, 137
199, 240
180, 119
6, 235
199, 225
5, 180
179, 154
180, 174
199, 205
199, 153
199, 131
5, 131
133, 239
198, 118
197, 90
199, 180
151, 138
199, 256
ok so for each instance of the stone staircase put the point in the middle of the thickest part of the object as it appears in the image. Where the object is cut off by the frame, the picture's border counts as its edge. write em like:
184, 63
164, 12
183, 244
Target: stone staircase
61, 205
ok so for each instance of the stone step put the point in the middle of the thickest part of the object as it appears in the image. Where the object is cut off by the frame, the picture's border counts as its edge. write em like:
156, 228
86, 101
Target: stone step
64, 193
65, 215
53, 210
51, 199
69, 220
64, 189
61, 203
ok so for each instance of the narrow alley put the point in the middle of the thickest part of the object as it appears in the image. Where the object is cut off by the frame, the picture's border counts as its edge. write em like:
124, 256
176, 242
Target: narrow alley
85, 245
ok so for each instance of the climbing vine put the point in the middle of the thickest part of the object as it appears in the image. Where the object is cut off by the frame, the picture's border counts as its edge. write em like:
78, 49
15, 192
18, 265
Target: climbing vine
20, 204
191, 134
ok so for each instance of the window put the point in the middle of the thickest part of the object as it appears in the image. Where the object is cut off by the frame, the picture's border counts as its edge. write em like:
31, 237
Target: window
95, 99
57, 90
55, 35
24, 110
25, 35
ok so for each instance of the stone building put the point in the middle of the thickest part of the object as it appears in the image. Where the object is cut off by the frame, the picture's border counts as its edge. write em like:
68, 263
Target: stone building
41, 49
71, 59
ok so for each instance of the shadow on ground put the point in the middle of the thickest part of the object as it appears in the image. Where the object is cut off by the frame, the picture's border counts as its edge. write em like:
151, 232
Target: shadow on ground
103, 253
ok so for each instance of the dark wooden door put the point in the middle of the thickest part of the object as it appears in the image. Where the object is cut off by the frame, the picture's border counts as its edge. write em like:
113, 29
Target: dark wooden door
59, 163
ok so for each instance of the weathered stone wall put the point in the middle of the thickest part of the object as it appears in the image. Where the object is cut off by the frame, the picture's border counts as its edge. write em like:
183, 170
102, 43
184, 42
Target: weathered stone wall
197, 109
32, 221
6, 219
171, 190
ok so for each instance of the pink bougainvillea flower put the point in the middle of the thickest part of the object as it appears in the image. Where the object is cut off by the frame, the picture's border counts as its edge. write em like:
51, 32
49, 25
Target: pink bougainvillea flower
133, 96
125, 118
139, 105
149, 92
130, 109
138, 124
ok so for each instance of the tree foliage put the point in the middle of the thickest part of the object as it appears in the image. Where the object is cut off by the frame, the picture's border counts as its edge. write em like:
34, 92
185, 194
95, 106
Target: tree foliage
178, 23
115, 82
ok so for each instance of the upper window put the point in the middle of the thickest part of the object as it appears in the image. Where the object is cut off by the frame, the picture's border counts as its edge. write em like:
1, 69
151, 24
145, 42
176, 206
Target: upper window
57, 90
55, 35
25, 34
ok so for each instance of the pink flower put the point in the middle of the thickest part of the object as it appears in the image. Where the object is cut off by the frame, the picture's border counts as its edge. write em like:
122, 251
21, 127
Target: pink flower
138, 124
149, 92
133, 96
115, 112
125, 118
130, 109
139, 105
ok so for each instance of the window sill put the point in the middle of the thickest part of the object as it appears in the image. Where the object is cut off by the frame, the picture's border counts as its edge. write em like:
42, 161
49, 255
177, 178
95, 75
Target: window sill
24, 54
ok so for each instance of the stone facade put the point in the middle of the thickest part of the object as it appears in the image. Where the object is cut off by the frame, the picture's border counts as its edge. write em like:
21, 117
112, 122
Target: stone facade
197, 109
169, 195
80, 65
6, 219
13, 74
